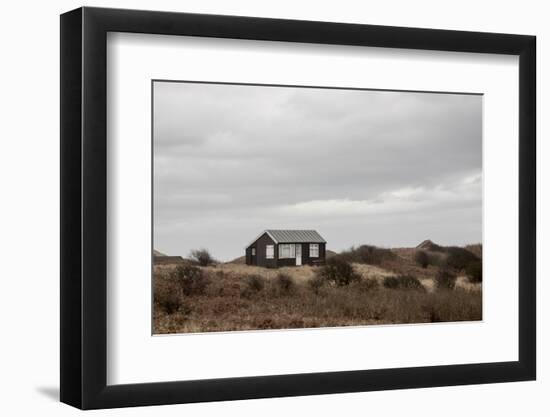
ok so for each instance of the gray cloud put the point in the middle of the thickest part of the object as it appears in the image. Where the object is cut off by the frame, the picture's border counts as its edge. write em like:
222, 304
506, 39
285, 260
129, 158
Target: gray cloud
387, 168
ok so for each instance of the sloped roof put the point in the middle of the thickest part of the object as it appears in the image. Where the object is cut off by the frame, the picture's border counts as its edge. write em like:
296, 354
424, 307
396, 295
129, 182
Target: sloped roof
292, 236
295, 236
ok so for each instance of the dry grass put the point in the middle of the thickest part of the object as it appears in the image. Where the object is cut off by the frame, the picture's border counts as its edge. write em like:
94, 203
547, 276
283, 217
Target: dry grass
404, 264
299, 274
233, 301
463, 283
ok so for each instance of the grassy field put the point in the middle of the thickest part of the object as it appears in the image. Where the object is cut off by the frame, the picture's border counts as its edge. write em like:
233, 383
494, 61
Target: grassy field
233, 296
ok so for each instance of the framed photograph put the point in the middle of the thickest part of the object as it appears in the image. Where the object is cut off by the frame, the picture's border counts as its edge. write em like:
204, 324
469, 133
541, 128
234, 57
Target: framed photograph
256, 208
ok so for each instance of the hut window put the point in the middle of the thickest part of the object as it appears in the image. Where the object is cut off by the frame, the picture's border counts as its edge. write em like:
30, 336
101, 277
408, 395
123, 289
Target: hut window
253, 251
287, 251
269, 252
313, 250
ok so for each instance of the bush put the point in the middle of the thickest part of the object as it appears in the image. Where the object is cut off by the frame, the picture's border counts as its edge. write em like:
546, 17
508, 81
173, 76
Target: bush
367, 285
474, 271
367, 254
284, 283
445, 280
202, 257
339, 272
391, 282
403, 282
459, 258
190, 279
316, 283
422, 258
253, 284
167, 299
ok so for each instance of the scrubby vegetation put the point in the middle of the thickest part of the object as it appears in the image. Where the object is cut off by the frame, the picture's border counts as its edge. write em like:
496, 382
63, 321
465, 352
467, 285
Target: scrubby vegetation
476, 249
202, 257
189, 279
284, 283
474, 272
166, 297
459, 258
445, 280
362, 286
316, 283
367, 254
338, 272
253, 284
367, 285
403, 282
422, 258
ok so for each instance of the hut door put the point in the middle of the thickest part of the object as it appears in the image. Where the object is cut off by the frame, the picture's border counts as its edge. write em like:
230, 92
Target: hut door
298, 255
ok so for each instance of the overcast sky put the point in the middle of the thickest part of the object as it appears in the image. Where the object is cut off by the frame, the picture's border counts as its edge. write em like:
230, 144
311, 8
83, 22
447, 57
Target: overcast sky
384, 168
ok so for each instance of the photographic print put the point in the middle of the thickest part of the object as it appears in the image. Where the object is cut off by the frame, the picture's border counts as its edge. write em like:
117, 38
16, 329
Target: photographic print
288, 207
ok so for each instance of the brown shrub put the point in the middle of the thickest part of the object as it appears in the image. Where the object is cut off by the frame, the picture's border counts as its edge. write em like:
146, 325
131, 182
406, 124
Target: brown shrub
167, 298
474, 271
445, 280
339, 272
403, 282
421, 258
367, 254
316, 283
459, 258
284, 283
190, 279
202, 257
367, 285
253, 284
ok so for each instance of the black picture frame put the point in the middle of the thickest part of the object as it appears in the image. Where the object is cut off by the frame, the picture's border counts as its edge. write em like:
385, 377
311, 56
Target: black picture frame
84, 207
